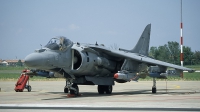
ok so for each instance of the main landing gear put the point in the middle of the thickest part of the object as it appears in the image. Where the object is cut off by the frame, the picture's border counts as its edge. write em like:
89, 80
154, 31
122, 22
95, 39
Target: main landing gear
104, 89
154, 86
73, 90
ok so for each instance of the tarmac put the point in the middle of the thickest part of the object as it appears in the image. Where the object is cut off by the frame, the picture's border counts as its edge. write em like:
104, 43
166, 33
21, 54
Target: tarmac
137, 96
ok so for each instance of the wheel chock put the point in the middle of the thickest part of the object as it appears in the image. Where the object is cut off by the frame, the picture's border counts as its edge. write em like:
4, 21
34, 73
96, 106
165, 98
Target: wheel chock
73, 95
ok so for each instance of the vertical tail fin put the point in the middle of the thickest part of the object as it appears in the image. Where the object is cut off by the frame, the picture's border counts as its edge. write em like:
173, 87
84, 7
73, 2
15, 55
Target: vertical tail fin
142, 46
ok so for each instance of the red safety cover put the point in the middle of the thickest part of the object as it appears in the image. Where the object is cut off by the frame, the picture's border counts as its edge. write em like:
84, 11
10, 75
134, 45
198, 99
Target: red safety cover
21, 83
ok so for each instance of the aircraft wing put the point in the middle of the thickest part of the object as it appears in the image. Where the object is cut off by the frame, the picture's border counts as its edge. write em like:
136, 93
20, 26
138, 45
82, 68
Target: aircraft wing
137, 57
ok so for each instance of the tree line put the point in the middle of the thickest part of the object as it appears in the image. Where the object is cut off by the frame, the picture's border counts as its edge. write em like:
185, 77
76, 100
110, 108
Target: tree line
170, 52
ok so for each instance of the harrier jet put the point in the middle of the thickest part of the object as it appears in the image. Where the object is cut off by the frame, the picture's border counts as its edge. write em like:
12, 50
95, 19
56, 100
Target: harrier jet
95, 64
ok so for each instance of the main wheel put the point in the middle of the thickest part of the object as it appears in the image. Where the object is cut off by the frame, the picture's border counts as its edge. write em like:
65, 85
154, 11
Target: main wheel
108, 89
75, 92
153, 90
100, 89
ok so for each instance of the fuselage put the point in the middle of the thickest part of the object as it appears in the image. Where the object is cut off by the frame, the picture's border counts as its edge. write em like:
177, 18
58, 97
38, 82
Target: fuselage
75, 59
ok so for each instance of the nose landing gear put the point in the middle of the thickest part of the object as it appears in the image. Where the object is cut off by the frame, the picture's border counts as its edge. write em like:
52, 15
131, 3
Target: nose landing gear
74, 89
71, 88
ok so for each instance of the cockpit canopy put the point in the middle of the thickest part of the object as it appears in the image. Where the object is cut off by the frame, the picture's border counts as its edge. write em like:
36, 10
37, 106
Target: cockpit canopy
59, 43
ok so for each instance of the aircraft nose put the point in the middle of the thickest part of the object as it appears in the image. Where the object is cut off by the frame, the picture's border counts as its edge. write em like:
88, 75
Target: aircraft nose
34, 60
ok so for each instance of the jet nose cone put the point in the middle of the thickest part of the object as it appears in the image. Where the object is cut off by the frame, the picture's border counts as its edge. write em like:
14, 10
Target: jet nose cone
34, 60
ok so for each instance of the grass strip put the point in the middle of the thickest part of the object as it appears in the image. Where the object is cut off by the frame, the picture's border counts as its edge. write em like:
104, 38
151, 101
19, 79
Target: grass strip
15, 76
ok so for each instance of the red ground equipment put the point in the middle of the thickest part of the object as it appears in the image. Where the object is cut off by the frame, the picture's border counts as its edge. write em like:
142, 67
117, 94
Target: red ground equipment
21, 83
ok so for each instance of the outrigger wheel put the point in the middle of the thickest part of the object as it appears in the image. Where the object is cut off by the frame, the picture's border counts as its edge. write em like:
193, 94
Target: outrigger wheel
153, 90
154, 86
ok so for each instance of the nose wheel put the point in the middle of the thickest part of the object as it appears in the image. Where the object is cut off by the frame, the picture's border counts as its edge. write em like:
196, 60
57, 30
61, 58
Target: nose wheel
71, 88
74, 90
66, 89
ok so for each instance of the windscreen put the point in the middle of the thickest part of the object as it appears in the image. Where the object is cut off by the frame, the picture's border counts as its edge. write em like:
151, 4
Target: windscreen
59, 43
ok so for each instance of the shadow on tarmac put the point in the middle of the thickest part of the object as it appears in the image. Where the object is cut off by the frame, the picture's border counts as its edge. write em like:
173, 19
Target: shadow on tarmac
127, 93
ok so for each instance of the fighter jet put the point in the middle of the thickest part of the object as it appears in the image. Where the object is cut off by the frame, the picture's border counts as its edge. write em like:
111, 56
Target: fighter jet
95, 64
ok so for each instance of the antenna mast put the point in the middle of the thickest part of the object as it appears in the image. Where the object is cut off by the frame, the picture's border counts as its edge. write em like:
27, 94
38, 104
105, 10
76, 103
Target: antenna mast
181, 57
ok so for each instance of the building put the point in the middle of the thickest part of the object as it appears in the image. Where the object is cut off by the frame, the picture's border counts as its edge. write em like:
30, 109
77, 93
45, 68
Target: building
11, 62
3, 63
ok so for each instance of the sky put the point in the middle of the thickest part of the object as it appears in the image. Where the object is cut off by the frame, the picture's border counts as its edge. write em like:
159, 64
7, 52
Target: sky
25, 25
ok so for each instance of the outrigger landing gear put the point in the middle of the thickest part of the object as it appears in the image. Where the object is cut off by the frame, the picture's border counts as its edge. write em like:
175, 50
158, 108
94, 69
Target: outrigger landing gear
104, 89
154, 86
72, 87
